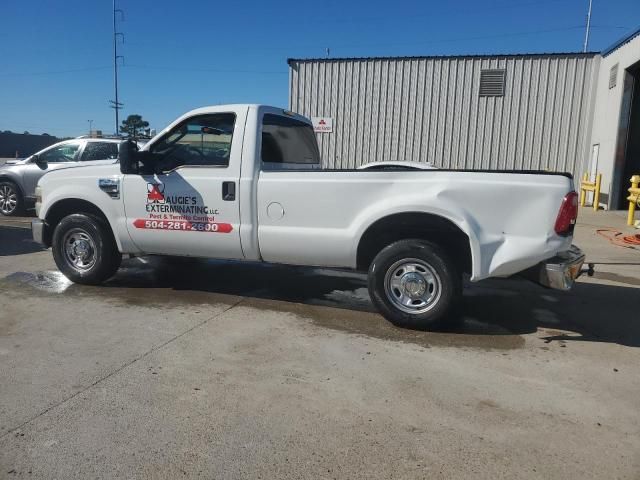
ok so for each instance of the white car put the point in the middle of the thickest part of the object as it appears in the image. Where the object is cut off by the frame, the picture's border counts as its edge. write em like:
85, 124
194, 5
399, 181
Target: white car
397, 165
233, 182
18, 178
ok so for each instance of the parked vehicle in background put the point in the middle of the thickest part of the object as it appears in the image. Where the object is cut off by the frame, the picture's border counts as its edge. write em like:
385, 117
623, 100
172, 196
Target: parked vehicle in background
396, 165
219, 182
18, 179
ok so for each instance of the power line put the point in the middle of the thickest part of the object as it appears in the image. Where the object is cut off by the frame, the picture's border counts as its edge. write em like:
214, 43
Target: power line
147, 67
482, 8
290, 48
204, 69
53, 72
461, 39
33, 128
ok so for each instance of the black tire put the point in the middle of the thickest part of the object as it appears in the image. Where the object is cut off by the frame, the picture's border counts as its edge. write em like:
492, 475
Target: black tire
422, 274
10, 193
80, 233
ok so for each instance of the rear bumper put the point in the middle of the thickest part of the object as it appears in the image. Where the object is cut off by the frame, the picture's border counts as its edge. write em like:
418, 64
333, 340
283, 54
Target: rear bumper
37, 230
560, 271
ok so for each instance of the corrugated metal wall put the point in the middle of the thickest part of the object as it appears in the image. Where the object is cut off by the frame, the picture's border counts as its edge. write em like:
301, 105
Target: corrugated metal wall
429, 109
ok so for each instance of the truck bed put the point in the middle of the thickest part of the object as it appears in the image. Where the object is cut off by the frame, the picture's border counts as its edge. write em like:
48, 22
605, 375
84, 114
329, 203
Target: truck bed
508, 216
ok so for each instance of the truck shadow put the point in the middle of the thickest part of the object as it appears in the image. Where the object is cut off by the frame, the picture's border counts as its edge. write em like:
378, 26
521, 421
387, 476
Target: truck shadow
17, 241
493, 308
593, 312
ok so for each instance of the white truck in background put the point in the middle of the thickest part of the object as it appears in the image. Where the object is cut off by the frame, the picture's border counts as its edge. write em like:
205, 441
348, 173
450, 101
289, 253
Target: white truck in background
242, 182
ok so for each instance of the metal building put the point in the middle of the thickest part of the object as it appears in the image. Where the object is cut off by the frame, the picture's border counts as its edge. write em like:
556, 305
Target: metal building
528, 113
521, 112
615, 136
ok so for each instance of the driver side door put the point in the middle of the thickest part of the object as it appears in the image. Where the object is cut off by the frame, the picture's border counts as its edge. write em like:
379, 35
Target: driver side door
186, 201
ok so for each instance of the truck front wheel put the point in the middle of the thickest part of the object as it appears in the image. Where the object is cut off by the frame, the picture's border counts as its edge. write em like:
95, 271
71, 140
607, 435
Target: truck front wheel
84, 249
415, 284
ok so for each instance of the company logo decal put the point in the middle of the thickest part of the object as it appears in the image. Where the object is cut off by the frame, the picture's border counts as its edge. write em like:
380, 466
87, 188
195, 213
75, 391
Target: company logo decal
184, 213
155, 192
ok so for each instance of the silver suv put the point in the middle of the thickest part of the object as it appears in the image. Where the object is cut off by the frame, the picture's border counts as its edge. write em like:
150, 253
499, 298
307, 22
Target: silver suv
18, 179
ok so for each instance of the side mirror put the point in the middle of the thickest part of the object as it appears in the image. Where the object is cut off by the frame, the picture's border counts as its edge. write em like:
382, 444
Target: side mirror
40, 162
128, 157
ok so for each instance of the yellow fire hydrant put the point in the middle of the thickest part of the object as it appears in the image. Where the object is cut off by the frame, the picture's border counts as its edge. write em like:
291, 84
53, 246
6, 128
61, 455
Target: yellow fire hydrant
634, 198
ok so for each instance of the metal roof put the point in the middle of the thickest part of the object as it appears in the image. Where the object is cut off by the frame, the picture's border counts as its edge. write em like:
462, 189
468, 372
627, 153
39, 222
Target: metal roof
623, 41
421, 57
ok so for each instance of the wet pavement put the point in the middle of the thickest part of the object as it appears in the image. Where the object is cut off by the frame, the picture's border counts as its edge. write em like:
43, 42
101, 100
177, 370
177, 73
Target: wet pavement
243, 370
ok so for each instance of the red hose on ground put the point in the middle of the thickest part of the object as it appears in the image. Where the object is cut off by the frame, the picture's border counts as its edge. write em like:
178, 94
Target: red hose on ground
616, 238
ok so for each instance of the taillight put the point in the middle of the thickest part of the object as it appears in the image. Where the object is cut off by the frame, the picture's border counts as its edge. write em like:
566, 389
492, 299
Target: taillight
567, 215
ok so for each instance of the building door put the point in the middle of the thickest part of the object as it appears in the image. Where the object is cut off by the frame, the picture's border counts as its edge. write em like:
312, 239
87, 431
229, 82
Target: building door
627, 154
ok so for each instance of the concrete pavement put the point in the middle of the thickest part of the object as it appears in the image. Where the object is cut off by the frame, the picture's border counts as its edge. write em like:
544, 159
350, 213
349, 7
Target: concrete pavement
225, 370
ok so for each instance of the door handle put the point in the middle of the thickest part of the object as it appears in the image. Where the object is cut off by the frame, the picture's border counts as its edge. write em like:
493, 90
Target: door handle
228, 191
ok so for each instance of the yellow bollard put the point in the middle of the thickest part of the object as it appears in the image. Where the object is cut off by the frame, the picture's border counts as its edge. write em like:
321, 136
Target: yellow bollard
596, 192
634, 198
583, 192
587, 186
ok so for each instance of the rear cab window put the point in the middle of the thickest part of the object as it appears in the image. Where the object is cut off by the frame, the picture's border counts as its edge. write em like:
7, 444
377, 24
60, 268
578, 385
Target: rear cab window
288, 143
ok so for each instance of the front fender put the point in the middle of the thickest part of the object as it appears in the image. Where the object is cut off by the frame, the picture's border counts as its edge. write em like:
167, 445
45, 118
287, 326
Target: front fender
111, 208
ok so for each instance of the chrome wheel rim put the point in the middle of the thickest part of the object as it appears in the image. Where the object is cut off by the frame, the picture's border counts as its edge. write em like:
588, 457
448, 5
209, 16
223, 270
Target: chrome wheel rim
412, 286
8, 199
79, 249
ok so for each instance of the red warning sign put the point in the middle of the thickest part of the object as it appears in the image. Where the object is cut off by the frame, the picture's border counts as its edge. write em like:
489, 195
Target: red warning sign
322, 124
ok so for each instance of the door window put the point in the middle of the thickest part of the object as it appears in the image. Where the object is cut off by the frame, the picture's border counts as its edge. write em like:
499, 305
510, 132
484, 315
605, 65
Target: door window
204, 140
100, 151
61, 153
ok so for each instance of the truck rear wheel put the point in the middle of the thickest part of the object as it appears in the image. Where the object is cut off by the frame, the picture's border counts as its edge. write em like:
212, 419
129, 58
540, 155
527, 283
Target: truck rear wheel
414, 284
84, 249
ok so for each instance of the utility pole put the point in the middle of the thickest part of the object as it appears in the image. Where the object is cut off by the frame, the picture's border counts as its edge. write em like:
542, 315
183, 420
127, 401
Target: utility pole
586, 35
90, 124
115, 104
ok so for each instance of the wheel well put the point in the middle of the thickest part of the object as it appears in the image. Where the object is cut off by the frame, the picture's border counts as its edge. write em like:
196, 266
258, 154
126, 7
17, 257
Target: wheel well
5, 178
423, 226
69, 206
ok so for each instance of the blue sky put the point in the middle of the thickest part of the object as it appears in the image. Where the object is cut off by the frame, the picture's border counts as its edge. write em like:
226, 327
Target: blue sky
56, 56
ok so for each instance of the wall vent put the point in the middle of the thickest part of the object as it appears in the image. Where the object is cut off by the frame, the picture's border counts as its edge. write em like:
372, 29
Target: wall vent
613, 76
492, 83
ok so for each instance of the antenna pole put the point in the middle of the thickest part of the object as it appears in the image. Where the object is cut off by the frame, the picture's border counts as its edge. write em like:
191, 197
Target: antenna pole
586, 35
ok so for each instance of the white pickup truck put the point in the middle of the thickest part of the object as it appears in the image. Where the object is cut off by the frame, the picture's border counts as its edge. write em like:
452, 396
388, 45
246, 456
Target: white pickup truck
243, 182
